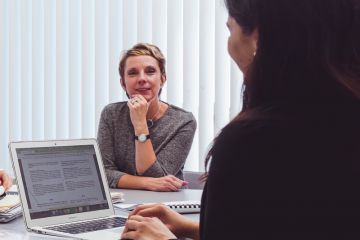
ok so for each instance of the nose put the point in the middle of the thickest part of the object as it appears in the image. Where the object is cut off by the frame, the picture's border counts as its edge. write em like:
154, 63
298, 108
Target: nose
142, 78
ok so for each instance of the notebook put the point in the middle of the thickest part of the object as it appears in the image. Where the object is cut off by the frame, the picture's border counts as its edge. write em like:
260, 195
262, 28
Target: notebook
63, 189
184, 206
189, 206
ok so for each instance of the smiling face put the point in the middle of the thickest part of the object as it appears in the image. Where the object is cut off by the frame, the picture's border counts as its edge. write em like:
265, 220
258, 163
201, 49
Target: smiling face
241, 45
142, 76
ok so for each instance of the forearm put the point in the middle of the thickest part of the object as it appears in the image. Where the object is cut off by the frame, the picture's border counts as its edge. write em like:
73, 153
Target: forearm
171, 156
132, 182
144, 156
190, 230
144, 151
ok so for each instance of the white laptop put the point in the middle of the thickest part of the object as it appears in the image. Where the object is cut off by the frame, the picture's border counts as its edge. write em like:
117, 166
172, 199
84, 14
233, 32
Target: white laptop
63, 189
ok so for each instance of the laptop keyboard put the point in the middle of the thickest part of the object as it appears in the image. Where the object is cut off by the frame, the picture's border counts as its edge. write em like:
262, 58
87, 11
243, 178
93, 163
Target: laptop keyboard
90, 226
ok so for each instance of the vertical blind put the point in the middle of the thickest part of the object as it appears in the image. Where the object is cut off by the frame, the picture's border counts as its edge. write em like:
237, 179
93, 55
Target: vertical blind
59, 65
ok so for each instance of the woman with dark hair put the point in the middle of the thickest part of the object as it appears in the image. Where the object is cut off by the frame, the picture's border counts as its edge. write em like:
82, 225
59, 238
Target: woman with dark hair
288, 166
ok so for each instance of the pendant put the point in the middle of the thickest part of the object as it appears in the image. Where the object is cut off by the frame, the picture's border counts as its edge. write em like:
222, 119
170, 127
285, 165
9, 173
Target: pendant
150, 123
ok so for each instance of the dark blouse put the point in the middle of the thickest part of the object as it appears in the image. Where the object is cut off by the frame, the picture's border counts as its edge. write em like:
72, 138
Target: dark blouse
294, 174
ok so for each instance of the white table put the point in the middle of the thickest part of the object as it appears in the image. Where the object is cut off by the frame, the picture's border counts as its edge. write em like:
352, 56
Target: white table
15, 230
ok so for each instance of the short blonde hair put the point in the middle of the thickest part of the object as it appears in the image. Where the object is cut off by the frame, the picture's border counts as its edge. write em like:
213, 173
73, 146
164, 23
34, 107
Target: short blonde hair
143, 49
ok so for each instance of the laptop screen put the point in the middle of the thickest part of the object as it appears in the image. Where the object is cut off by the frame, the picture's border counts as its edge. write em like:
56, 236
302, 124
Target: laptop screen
61, 180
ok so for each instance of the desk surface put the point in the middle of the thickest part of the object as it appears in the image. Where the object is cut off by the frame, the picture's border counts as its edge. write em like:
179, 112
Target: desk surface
15, 230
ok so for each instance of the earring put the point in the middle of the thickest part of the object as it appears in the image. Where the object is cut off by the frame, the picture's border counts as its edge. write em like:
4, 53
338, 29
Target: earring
254, 54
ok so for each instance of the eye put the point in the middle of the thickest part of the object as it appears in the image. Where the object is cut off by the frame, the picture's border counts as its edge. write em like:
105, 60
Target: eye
150, 70
132, 72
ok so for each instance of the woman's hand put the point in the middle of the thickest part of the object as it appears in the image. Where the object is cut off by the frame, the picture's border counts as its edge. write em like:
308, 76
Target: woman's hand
146, 228
164, 184
138, 107
5, 180
176, 223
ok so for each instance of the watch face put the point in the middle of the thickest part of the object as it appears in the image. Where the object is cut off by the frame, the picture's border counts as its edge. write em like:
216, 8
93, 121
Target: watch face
142, 137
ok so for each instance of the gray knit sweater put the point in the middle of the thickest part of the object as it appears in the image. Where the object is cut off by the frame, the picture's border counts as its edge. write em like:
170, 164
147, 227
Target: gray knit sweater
171, 137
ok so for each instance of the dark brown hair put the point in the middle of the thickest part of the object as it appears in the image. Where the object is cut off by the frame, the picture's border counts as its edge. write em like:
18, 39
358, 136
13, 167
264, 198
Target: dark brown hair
308, 52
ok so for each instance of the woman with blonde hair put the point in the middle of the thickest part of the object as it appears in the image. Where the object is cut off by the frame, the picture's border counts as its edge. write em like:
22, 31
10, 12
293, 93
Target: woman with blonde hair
144, 142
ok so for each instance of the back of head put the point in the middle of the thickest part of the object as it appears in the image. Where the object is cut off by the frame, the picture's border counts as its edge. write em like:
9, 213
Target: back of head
307, 51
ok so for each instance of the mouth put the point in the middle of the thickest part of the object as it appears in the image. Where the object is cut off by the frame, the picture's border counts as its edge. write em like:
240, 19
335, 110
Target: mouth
143, 89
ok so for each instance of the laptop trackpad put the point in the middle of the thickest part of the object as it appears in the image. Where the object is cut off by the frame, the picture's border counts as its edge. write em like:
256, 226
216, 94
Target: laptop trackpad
109, 234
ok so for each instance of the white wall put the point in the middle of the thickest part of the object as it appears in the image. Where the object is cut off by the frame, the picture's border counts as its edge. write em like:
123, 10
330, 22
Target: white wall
59, 61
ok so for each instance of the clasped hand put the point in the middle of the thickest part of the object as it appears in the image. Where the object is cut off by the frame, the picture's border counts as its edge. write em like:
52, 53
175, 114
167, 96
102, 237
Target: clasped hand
138, 107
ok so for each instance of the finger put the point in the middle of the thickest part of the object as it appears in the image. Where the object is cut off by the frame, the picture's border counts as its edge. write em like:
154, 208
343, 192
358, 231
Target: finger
175, 178
133, 222
130, 235
131, 225
137, 218
141, 98
185, 183
140, 208
130, 105
134, 101
175, 182
181, 182
172, 186
135, 97
155, 211
167, 185
125, 229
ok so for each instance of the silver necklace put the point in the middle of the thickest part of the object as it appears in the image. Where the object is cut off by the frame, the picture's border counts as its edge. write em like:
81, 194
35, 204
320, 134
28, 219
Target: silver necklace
150, 121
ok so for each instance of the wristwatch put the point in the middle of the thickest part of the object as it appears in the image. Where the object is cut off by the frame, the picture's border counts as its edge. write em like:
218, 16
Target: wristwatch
142, 137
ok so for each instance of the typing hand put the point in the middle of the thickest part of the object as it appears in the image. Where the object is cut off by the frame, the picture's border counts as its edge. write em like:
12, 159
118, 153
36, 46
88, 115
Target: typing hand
178, 224
146, 228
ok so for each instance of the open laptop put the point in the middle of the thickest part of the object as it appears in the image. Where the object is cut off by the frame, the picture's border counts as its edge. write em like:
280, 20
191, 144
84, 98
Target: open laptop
63, 189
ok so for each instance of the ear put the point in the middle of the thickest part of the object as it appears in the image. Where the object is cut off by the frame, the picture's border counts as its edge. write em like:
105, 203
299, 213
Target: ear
163, 80
122, 83
255, 39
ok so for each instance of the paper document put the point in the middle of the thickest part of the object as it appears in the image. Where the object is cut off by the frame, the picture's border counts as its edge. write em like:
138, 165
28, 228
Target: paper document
117, 197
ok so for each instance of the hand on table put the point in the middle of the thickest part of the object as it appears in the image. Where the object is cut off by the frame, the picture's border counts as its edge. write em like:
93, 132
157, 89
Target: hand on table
165, 184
